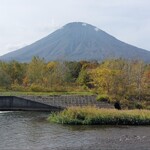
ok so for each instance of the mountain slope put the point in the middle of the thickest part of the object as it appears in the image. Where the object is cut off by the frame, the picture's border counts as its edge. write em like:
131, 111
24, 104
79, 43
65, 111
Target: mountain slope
78, 41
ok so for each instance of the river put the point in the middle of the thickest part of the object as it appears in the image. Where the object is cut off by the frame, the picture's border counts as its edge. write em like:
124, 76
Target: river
31, 131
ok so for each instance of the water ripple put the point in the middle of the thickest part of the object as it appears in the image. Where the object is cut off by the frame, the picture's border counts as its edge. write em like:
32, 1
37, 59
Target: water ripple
30, 130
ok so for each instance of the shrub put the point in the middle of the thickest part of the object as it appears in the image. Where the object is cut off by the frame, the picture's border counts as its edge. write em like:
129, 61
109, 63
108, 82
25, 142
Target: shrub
138, 105
124, 103
37, 88
148, 107
103, 98
17, 87
2, 89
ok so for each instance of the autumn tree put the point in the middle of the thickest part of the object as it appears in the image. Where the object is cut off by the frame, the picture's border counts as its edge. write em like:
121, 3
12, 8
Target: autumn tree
52, 76
36, 71
15, 71
5, 80
104, 80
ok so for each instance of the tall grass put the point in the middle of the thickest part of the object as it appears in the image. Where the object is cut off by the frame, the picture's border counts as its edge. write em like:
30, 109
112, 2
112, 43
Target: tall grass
94, 116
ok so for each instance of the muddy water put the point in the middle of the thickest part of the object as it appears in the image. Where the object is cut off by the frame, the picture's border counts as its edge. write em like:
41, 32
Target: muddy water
31, 131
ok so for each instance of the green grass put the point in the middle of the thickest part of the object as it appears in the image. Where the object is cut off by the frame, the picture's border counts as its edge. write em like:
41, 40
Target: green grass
12, 93
94, 116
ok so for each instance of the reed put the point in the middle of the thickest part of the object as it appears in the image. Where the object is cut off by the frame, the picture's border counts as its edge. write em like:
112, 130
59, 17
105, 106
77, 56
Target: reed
94, 116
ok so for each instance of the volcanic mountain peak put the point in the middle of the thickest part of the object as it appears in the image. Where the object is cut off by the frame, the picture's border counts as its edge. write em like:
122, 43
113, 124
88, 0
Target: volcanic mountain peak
78, 41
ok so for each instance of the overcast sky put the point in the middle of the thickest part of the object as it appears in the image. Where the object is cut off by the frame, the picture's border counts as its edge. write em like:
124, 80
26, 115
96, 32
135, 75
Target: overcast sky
24, 21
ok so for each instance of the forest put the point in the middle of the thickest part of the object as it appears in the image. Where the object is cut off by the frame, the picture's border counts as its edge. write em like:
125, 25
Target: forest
126, 81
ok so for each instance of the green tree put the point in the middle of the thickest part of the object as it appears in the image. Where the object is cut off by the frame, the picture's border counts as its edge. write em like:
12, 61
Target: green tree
72, 71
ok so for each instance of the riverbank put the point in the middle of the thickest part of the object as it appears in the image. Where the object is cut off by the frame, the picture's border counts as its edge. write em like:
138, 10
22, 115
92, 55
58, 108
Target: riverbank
95, 116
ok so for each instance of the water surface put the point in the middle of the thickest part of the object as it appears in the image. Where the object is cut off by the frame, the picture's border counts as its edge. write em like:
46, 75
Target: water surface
31, 131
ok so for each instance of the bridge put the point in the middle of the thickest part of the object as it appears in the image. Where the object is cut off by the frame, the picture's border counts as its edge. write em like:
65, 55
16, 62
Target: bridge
48, 103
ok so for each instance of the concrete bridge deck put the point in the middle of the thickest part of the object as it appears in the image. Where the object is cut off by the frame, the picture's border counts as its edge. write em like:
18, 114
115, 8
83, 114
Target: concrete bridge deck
49, 103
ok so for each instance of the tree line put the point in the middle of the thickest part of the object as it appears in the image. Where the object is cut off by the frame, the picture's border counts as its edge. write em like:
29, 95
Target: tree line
117, 78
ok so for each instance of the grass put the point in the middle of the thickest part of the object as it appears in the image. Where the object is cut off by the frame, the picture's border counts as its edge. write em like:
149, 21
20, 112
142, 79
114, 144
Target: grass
14, 93
94, 116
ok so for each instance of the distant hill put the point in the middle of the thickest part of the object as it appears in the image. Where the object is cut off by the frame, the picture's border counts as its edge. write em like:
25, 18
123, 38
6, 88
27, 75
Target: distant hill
78, 41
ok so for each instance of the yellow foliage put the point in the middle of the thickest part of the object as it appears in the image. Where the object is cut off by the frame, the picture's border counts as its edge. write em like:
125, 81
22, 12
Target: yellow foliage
51, 65
104, 79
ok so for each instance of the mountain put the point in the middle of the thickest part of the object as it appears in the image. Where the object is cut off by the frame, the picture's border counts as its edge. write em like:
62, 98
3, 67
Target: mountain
78, 41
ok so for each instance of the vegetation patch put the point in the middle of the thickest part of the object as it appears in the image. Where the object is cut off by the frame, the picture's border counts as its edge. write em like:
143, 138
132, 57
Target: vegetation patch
94, 116
103, 98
